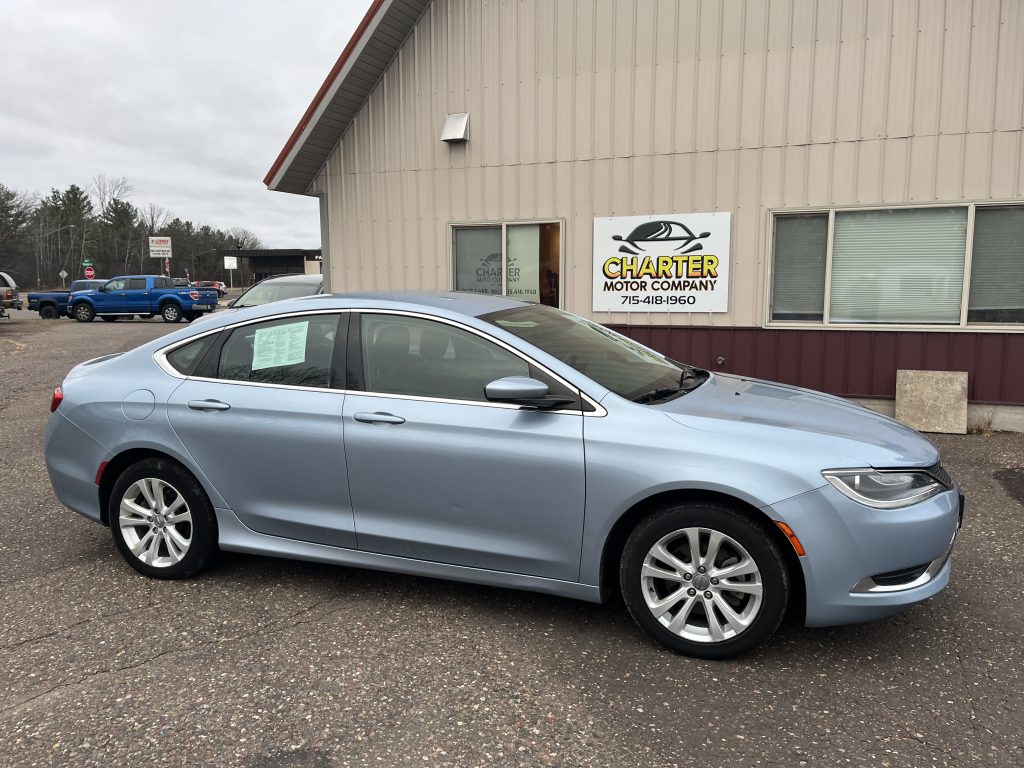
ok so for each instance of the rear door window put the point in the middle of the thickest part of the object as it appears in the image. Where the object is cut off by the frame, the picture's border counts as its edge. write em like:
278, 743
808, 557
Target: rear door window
293, 351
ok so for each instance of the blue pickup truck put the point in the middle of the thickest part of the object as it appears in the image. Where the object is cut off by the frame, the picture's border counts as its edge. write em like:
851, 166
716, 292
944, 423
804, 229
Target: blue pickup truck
142, 295
54, 304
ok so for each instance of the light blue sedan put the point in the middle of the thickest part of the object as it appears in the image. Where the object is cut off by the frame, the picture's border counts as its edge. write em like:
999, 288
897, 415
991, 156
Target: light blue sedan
494, 441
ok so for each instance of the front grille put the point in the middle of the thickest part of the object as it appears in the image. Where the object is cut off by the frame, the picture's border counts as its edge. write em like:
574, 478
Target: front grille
939, 473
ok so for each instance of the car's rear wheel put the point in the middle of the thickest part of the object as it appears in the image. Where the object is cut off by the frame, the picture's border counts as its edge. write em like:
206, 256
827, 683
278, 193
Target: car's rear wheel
704, 580
162, 521
49, 312
171, 313
83, 312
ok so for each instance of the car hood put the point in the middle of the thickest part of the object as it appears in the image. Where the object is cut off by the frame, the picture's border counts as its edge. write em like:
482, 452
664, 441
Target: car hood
801, 419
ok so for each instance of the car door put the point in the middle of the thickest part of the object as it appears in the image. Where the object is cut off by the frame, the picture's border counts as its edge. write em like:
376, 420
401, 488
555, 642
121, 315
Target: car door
437, 473
110, 296
262, 418
136, 296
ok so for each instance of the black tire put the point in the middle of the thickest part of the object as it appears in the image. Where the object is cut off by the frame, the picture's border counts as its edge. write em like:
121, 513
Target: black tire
202, 530
744, 531
190, 316
171, 313
48, 312
83, 312
108, 318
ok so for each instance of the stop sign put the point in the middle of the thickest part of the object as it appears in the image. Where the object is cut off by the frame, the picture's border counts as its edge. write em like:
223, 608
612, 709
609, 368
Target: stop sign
90, 273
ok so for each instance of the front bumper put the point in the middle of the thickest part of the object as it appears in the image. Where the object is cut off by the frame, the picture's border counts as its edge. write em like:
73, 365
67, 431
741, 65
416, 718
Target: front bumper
862, 563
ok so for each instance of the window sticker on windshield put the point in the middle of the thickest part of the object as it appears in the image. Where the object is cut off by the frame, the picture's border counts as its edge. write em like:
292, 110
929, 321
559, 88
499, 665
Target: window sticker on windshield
280, 345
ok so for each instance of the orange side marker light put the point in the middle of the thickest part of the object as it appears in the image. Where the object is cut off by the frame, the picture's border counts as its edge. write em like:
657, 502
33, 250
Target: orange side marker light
797, 546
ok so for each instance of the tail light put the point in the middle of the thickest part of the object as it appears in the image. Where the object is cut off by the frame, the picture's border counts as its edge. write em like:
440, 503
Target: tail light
194, 295
58, 395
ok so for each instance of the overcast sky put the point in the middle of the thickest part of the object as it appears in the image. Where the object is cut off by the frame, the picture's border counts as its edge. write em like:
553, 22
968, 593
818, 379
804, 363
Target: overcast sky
191, 100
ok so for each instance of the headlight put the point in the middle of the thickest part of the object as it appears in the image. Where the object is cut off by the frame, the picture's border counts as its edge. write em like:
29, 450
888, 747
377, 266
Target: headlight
884, 489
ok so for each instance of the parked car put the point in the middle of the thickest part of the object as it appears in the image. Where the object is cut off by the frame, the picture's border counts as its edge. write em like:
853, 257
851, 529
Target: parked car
484, 439
218, 286
53, 304
279, 287
143, 295
9, 296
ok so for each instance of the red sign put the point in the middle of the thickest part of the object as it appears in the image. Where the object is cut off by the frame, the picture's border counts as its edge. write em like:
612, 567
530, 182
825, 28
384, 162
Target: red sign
90, 273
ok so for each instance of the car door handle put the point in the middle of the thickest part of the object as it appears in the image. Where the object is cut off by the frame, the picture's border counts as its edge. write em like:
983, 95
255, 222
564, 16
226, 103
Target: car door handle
378, 418
207, 405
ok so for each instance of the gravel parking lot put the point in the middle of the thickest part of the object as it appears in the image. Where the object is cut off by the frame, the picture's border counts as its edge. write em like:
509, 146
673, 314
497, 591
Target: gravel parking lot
266, 662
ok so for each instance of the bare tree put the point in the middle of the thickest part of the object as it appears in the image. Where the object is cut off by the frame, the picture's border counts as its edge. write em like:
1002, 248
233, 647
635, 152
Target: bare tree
244, 239
105, 189
154, 218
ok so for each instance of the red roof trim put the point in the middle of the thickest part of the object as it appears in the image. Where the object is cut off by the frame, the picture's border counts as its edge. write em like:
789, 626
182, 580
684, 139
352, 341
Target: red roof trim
320, 94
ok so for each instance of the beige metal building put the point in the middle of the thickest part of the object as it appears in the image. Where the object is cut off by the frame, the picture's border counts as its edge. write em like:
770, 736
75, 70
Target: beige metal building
869, 158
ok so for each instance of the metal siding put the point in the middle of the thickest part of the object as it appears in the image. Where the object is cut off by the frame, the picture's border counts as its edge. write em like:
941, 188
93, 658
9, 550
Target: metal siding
927, 92
956, 67
801, 72
902, 70
581, 109
1009, 101
848, 363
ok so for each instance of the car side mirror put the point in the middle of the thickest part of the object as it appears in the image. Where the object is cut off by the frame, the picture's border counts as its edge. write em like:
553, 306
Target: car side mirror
522, 390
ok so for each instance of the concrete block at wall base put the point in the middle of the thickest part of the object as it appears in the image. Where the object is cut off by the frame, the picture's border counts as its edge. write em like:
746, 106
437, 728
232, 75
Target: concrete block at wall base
980, 417
932, 401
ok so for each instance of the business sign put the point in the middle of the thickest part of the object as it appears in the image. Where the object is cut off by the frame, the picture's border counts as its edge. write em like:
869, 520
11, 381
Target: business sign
230, 262
160, 247
670, 263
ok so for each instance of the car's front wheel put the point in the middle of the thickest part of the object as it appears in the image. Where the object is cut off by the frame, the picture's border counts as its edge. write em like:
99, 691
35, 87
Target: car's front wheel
161, 520
704, 580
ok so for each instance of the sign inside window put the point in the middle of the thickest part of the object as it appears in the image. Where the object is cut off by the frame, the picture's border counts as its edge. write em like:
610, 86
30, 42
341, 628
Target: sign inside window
280, 345
663, 263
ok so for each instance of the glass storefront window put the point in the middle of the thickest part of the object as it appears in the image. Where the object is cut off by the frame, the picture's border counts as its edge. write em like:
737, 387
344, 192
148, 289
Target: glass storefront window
526, 268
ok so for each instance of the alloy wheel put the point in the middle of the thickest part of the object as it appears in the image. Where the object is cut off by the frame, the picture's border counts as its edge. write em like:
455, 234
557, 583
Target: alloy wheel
701, 585
155, 522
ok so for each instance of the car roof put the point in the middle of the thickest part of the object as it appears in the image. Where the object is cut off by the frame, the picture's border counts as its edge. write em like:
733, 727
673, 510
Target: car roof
297, 277
463, 303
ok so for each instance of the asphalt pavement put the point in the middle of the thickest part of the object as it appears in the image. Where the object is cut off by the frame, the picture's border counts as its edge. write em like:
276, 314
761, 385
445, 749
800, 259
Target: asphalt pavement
263, 662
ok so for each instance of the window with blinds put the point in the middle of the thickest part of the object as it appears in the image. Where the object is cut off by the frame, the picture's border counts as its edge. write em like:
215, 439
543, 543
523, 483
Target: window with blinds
899, 266
798, 281
997, 266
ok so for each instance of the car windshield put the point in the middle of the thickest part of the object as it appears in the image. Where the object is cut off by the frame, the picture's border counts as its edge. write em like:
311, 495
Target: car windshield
625, 367
264, 293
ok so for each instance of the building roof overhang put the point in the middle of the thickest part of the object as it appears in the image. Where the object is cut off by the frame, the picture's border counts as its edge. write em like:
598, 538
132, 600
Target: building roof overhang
362, 63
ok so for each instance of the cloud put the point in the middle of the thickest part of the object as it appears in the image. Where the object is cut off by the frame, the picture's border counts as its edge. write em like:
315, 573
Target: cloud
191, 101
